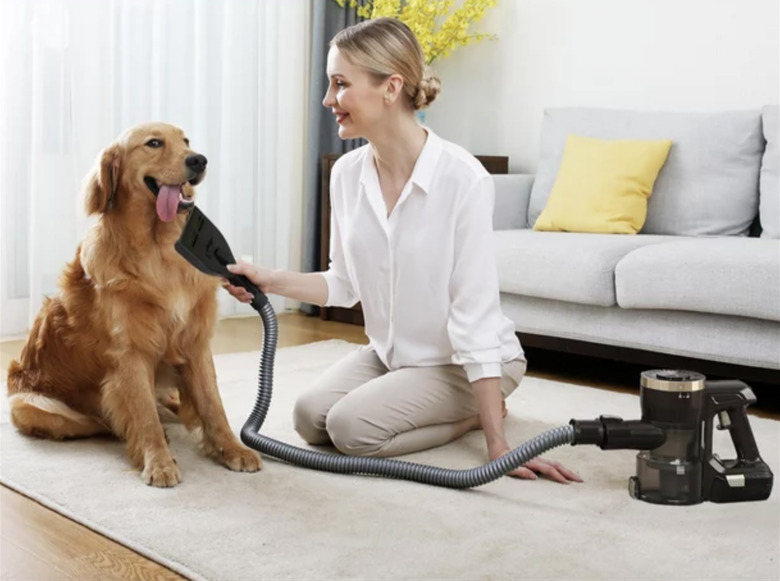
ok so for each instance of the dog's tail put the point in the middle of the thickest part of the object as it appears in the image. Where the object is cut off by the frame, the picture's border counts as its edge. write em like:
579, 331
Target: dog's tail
41, 416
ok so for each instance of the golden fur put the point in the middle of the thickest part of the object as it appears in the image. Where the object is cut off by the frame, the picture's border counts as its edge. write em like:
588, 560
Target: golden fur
131, 317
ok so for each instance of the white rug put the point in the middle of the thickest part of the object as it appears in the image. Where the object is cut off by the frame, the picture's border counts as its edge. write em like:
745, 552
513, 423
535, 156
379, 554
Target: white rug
291, 523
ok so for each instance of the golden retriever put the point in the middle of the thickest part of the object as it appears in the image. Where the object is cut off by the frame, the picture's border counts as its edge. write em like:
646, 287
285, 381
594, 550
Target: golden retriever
132, 317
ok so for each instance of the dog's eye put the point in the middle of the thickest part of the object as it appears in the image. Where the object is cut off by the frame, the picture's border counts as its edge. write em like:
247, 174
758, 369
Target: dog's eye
154, 143
186, 142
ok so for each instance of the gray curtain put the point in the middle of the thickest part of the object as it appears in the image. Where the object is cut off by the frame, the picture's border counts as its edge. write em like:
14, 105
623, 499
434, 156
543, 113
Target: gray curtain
327, 19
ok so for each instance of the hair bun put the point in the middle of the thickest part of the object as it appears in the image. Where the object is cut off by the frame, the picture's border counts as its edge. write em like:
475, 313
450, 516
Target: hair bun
427, 90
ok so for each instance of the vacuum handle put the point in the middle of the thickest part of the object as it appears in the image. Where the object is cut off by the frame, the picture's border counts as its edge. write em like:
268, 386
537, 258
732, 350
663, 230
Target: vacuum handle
259, 299
728, 399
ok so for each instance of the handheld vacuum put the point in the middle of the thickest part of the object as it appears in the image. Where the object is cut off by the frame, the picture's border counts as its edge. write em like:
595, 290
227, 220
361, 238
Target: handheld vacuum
675, 464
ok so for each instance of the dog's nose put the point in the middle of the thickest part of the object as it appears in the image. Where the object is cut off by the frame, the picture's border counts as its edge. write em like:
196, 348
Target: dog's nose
196, 162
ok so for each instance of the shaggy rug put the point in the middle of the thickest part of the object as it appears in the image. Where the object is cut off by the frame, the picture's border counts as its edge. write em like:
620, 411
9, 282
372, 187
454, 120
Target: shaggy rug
291, 523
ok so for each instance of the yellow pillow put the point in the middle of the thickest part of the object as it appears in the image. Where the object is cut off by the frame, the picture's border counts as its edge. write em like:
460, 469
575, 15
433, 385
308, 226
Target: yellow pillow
603, 185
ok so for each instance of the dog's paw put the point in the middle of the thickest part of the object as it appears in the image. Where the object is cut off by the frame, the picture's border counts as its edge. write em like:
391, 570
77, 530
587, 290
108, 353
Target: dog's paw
240, 459
161, 474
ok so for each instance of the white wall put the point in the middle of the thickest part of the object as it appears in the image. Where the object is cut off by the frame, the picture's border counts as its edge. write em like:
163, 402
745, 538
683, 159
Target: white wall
684, 55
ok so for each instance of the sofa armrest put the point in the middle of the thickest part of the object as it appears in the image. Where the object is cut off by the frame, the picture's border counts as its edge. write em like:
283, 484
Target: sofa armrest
513, 191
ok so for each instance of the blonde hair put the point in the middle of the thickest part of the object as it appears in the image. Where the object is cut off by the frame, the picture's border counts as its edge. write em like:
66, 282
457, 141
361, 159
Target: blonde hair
386, 46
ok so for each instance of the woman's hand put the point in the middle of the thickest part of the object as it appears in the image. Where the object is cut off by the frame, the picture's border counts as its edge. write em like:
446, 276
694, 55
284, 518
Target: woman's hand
492, 411
552, 470
260, 277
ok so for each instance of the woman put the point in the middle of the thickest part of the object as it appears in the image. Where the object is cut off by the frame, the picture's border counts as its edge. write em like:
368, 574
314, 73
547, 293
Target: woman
412, 241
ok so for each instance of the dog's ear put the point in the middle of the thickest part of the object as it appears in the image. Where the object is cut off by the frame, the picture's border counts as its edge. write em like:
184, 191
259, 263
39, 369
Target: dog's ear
103, 181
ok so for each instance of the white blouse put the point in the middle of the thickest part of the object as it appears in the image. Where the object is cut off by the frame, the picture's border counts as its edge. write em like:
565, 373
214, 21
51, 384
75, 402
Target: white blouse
426, 275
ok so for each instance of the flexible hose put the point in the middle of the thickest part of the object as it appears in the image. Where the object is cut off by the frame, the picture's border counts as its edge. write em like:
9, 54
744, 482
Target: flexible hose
322, 461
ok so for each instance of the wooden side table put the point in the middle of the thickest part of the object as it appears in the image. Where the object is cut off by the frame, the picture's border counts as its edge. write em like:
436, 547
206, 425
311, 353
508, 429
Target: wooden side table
495, 164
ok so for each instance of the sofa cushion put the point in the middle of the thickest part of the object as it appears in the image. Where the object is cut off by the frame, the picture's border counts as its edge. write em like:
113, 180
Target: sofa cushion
729, 276
603, 185
769, 187
709, 184
565, 266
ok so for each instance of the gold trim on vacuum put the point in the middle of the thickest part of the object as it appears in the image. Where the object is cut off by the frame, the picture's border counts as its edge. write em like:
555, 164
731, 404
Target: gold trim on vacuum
683, 381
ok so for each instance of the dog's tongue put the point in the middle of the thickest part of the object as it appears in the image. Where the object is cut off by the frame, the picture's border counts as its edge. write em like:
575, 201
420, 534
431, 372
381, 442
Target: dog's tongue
168, 202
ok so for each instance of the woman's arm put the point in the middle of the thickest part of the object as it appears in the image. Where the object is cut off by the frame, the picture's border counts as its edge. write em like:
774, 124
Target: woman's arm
491, 411
305, 287
491, 414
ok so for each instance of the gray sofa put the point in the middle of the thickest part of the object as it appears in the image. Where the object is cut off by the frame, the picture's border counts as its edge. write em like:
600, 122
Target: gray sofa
698, 286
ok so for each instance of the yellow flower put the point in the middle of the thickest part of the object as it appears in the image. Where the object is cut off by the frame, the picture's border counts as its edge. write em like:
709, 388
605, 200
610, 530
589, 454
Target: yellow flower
439, 25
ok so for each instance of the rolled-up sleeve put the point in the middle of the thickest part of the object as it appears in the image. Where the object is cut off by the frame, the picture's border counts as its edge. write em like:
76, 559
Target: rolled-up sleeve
475, 308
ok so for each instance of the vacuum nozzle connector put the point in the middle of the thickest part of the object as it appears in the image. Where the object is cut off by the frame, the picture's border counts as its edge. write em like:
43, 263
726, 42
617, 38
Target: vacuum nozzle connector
612, 433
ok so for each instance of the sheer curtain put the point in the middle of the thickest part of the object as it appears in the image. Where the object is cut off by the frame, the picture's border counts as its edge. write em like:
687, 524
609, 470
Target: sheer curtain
75, 73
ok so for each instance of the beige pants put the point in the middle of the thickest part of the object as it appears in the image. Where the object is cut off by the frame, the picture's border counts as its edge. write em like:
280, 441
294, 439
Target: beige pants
365, 410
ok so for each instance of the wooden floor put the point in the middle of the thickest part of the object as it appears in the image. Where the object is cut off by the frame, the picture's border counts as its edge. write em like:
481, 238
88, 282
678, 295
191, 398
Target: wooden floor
40, 545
